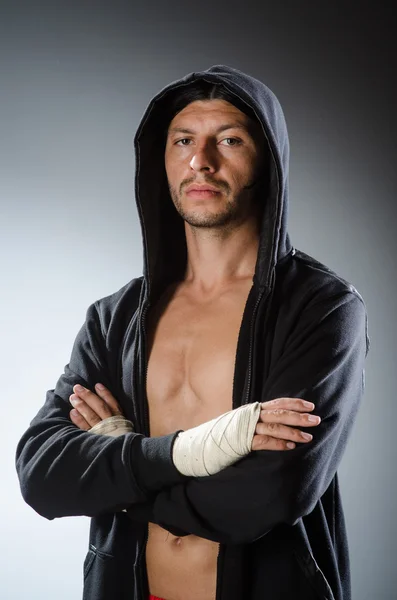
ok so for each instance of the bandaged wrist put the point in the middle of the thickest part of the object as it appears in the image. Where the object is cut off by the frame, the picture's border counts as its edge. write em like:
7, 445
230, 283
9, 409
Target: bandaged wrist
216, 444
113, 426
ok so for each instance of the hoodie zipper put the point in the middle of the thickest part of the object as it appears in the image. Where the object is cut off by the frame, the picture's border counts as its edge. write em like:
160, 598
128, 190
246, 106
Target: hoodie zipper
221, 548
251, 343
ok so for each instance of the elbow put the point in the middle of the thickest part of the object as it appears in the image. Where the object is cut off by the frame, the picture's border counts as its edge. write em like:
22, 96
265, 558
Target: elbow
35, 498
299, 508
31, 482
37, 491
253, 528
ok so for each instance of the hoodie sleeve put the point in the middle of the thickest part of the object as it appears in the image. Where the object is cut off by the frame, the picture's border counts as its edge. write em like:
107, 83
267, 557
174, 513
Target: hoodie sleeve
65, 471
324, 363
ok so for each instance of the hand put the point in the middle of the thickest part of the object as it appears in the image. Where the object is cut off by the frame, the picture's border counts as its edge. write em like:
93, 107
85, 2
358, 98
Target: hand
89, 408
273, 432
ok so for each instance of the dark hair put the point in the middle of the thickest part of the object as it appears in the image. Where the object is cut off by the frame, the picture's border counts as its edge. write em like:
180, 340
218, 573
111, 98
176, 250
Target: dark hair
204, 90
200, 90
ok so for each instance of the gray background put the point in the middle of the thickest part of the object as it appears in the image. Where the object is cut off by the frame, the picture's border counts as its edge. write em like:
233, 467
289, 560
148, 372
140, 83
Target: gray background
75, 80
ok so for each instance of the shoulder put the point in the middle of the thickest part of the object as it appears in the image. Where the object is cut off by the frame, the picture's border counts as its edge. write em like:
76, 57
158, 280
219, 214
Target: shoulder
312, 280
307, 291
118, 308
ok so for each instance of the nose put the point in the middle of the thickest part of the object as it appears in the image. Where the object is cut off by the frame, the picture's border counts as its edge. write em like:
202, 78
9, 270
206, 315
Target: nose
203, 159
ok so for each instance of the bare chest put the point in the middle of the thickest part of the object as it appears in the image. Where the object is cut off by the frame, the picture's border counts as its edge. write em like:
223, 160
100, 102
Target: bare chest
192, 351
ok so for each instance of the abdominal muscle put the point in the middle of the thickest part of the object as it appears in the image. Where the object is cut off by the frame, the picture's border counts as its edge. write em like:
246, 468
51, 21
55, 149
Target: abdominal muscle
181, 568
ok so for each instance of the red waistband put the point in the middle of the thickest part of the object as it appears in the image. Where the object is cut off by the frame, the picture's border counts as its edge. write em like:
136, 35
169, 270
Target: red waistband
155, 597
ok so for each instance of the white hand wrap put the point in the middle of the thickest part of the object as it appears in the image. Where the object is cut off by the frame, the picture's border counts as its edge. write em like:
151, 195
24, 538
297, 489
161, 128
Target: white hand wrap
214, 445
113, 426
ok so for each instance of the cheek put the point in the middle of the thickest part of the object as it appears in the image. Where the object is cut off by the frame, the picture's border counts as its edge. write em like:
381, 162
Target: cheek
250, 171
173, 166
241, 177
242, 170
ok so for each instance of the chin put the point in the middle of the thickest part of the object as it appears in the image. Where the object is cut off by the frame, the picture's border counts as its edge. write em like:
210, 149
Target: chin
205, 215
208, 218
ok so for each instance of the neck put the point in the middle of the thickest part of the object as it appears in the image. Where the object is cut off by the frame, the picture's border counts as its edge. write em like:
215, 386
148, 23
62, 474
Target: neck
220, 256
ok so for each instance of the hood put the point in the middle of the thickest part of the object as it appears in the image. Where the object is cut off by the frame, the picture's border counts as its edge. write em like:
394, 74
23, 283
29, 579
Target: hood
163, 233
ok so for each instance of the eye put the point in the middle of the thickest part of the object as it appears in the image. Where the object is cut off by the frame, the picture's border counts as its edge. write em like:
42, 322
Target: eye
235, 141
178, 143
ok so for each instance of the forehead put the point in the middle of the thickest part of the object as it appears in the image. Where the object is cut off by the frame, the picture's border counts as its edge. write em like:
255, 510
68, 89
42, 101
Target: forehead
210, 113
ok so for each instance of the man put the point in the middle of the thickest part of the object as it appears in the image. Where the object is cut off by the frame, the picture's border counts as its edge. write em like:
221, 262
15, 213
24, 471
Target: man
212, 364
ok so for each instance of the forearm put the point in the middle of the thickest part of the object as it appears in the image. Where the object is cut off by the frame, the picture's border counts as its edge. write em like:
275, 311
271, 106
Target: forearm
64, 471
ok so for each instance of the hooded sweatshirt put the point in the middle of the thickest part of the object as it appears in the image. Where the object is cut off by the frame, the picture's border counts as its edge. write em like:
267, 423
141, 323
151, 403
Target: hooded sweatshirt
276, 515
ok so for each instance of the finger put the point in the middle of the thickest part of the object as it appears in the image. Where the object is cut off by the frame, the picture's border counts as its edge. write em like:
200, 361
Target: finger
289, 417
108, 397
283, 432
79, 420
297, 404
91, 417
97, 404
267, 442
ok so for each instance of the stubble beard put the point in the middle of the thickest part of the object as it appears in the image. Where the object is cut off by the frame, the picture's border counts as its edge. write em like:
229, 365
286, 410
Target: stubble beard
230, 214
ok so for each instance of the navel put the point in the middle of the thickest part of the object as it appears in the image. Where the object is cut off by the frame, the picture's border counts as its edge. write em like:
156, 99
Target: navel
177, 541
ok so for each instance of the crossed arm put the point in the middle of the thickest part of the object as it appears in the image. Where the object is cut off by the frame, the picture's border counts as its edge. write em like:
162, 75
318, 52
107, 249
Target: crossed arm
268, 488
65, 470
275, 426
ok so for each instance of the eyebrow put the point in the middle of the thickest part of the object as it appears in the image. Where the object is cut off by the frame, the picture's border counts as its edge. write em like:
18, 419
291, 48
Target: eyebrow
219, 130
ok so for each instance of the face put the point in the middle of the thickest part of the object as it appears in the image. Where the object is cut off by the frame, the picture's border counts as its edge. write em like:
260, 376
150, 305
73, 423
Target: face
212, 157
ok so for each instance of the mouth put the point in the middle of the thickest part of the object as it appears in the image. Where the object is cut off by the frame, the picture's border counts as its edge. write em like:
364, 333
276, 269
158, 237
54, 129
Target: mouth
202, 191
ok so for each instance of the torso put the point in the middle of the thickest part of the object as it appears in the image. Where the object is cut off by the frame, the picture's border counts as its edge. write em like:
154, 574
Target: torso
192, 348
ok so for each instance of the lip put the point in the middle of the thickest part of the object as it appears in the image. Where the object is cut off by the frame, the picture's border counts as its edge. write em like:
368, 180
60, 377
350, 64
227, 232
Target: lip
194, 187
